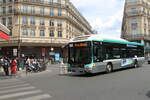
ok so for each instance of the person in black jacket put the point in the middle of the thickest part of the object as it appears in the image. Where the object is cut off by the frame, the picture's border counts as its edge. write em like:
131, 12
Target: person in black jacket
5, 64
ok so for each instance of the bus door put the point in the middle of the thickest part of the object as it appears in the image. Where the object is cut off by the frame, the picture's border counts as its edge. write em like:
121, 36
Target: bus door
98, 56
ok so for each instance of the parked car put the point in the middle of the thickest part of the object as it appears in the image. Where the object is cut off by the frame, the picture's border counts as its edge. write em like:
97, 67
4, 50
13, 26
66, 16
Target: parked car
148, 60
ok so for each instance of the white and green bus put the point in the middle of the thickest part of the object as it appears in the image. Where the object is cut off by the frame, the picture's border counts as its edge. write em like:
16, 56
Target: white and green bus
95, 53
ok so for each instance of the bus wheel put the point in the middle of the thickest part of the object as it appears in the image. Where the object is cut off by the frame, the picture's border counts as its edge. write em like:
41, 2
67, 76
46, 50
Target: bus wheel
109, 68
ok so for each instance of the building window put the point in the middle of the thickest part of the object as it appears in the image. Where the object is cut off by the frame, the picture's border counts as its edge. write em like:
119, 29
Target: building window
4, 10
59, 11
4, 1
25, 8
32, 21
10, 0
41, 1
10, 33
32, 32
59, 33
134, 31
25, 32
59, 24
4, 21
9, 20
145, 31
133, 1
32, 9
10, 9
50, 1
51, 33
59, 1
51, 11
42, 33
51, 23
134, 10
133, 21
41, 10
42, 22
24, 20
33, 0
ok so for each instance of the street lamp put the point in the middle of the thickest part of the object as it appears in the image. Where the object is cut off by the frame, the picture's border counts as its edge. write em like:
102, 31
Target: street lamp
52, 49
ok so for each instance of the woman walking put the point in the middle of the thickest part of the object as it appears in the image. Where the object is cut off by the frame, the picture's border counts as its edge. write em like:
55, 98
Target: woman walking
14, 67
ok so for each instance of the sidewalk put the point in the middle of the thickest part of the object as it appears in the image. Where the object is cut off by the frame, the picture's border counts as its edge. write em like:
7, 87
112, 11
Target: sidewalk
22, 73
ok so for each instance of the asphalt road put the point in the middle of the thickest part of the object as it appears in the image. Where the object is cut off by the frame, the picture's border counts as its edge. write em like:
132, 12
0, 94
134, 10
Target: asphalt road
127, 84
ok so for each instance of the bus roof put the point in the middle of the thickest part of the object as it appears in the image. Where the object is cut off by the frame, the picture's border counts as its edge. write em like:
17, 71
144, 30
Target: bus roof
103, 39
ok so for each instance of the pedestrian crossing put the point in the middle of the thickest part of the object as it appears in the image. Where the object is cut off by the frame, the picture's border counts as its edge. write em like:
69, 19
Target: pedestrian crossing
20, 90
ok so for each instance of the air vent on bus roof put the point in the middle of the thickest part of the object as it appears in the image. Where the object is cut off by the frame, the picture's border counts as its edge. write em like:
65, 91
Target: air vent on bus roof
81, 38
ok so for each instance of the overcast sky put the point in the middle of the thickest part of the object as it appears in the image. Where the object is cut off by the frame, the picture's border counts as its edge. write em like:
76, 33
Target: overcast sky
105, 16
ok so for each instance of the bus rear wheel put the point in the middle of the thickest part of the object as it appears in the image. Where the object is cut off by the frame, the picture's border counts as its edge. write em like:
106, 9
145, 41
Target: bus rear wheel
109, 68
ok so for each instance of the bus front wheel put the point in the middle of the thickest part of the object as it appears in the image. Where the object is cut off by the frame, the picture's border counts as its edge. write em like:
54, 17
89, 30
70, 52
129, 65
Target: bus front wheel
136, 64
109, 68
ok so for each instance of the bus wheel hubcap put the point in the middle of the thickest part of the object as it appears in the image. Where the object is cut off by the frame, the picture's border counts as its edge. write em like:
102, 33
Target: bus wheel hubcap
108, 68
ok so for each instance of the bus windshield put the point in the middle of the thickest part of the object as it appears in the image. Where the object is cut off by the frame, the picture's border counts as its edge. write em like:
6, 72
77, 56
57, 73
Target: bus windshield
80, 53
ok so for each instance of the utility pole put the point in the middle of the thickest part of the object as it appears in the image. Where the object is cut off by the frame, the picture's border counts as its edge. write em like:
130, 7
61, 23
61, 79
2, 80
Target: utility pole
19, 36
19, 39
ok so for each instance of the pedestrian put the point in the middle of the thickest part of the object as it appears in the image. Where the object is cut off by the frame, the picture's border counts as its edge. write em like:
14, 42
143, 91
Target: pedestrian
14, 67
28, 64
6, 66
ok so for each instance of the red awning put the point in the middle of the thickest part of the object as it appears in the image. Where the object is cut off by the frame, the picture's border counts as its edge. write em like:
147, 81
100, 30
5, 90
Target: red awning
4, 36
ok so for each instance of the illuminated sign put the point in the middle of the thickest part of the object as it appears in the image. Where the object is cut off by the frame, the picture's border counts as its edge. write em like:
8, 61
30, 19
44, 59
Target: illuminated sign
80, 45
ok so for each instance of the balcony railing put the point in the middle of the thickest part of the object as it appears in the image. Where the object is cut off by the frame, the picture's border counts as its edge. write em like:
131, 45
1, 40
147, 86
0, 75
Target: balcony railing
137, 3
137, 36
135, 13
39, 2
133, 2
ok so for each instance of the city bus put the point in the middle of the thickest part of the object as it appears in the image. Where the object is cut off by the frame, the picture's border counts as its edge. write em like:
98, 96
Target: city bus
96, 53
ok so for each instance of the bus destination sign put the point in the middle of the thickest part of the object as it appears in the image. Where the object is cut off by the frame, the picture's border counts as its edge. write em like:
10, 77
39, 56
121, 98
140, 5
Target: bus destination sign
80, 45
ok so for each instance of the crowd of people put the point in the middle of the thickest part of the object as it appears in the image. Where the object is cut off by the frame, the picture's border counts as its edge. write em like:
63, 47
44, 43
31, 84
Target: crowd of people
11, 66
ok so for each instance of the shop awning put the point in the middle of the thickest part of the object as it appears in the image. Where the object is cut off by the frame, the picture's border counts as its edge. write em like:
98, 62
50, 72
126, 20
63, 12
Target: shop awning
4, 36
4, 31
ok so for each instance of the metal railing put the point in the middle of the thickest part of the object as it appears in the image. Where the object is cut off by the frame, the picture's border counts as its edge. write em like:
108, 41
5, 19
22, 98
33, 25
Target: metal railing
39, 2
133, 13
137, 36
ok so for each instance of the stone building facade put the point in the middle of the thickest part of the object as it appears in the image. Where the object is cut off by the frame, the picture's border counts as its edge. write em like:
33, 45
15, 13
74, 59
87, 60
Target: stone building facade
40, 27
136, 22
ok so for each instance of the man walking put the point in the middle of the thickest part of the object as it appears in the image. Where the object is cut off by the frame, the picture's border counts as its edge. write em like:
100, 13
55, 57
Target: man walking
5, 65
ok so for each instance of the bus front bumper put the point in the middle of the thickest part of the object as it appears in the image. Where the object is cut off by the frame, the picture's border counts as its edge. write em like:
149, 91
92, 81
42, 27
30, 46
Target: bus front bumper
80, 70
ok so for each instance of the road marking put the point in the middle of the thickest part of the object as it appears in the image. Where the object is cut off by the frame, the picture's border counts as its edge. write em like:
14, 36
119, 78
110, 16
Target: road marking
38, 97
15, 86
12, 80
18, 89
19, 94
6, 84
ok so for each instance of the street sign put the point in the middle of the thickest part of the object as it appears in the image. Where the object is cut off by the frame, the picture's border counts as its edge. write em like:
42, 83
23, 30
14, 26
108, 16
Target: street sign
14, 52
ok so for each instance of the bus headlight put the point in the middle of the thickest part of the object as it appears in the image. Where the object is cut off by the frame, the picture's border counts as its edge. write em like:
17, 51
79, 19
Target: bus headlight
94, 65
88, 68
